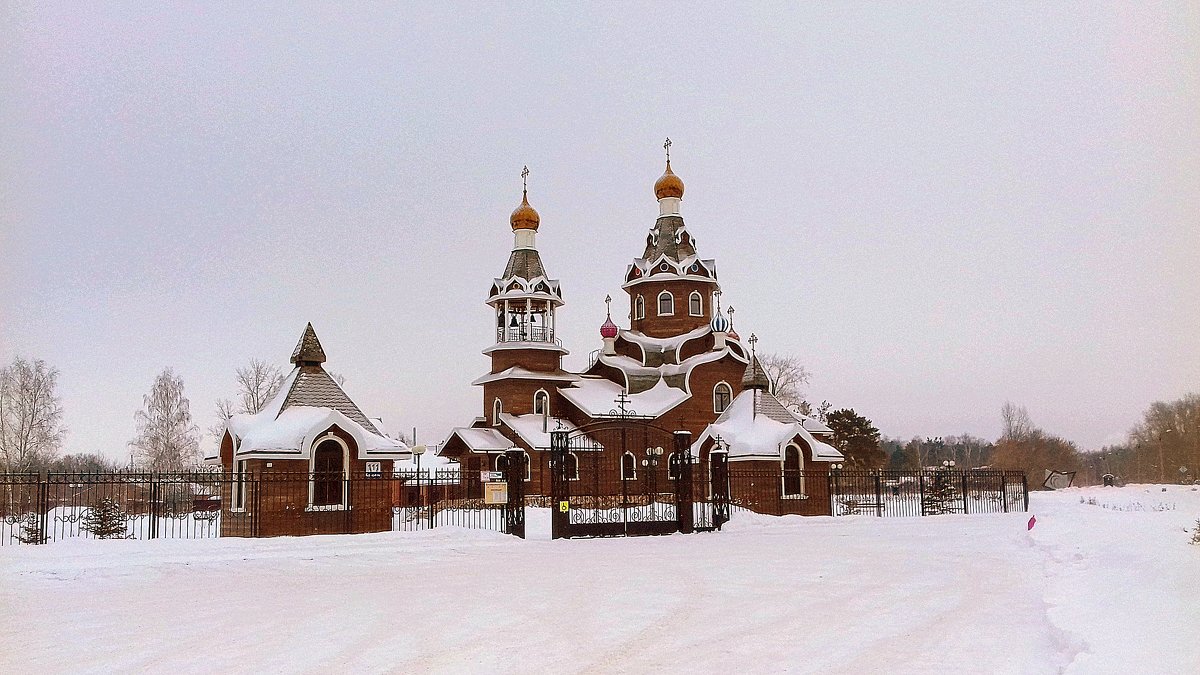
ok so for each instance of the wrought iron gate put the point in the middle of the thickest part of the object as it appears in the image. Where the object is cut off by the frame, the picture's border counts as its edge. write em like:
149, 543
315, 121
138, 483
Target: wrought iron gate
627, 478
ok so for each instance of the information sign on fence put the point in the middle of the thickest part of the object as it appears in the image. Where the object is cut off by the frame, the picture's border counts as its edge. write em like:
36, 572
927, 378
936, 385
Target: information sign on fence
495, 493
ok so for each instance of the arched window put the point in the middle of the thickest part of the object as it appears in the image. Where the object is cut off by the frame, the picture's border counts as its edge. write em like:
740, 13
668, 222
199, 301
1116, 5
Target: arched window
666, 304
528, 467
497, 408
628, 466
639, 308
500, 463
793, 471
672, 467
541, 403
328, 473
722, 395
572, 466
695, 304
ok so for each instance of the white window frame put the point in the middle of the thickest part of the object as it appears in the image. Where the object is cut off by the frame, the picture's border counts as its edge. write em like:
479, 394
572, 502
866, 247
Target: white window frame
783, 493
659, 303
546, 410
728, 389
670, 457
639, 308
633, 463
528, 466
312, 466
699, 299
497, 408
575, 457
239, 486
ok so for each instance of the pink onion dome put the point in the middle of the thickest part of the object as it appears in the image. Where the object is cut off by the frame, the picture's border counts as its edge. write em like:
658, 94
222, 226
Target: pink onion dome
609, 329
733, 335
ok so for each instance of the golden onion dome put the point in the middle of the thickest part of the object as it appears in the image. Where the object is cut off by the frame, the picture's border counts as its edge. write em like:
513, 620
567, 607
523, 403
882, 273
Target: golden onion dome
525, 217
668, 185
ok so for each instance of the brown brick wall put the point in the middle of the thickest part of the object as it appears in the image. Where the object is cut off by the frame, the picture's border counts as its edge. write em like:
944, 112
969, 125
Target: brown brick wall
276, 501
681, 321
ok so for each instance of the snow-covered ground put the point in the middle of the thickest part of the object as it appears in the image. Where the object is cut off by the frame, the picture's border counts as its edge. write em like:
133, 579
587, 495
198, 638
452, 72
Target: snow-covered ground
1110, 587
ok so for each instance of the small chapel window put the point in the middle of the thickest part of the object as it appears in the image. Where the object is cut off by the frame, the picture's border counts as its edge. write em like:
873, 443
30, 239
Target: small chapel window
541, 403
721, 397
793, 472
497, 408
328, 474
666, 304
572, 466
639, 308
695, 304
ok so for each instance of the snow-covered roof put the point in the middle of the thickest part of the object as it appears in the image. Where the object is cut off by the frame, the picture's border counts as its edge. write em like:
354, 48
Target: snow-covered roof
535, 429
757, 426
486, 439
289, 424
596, 397
521, 373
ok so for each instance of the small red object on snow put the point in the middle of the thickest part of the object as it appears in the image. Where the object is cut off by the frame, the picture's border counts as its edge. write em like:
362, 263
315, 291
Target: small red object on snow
1032, 522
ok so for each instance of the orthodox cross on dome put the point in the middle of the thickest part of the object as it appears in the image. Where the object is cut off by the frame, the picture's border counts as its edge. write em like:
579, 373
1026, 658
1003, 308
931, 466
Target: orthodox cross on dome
667, 147
608, 305
753, 341
525, 179
717, 294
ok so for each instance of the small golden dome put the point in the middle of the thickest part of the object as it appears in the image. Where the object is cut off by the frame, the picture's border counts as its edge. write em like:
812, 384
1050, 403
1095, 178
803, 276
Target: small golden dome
525, 217
668, 185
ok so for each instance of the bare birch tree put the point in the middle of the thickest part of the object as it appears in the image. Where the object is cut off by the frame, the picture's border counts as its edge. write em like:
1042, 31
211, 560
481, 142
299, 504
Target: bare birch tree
31, 431
787, 377
258, 383
167, 440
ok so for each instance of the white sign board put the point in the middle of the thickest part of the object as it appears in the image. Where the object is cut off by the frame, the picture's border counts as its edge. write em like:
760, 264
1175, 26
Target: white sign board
374, 470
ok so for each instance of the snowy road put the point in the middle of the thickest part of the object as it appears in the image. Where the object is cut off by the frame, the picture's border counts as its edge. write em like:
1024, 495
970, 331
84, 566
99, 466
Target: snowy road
1091, 590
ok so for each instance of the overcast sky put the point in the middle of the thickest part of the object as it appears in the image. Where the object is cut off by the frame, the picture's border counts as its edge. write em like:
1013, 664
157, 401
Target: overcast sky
935, 208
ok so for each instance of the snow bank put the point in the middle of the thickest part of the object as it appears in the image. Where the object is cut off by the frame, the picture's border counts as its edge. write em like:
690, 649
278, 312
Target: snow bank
1089, 590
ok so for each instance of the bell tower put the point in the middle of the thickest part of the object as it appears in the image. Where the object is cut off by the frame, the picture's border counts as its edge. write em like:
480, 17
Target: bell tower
527, 355
670, 288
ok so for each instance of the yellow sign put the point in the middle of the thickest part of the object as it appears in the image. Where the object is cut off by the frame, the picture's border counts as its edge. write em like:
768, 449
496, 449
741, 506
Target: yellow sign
564, 506
495, 493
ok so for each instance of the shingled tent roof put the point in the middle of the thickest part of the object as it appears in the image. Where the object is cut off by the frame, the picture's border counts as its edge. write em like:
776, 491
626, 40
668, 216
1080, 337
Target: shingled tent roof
524, 263
669, 237
308, 350
313, 387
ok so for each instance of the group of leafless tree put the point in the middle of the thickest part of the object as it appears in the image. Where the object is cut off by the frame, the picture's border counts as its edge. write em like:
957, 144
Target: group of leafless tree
167, 438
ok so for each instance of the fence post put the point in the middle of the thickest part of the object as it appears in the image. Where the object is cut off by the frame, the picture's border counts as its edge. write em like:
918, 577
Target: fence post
256, 516
43, 506
514, 508
878, 495
921, 483
682, 458
429, 495
964, 489
719, 466
153, 504
1025, 490
1004, 492
559, 519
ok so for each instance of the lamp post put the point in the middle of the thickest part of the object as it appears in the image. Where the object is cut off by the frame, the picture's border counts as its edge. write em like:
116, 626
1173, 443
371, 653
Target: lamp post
419, 450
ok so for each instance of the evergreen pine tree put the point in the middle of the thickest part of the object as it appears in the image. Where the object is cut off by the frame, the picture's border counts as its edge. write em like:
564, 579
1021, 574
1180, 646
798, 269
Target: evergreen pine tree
105, 520
941, 495
30, 532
